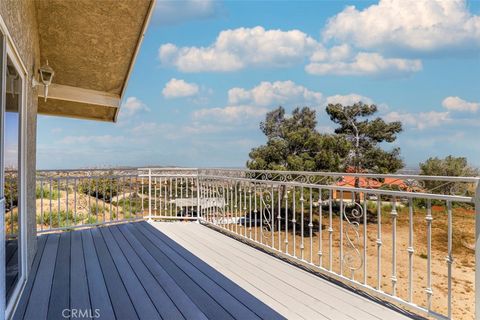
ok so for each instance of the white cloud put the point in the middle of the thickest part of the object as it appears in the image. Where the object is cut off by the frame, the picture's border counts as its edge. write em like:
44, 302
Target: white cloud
348, 99
179, 88
239, 48
458, 104
415, 26
102, 140
168, 12
420, 120
230, 113
278, 92
365, 63
132, 106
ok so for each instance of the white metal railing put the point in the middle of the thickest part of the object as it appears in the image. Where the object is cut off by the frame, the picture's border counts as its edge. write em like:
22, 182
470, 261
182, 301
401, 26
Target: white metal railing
392, 236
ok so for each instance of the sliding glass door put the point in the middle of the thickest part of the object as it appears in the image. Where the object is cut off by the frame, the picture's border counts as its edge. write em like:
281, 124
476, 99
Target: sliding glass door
12, 101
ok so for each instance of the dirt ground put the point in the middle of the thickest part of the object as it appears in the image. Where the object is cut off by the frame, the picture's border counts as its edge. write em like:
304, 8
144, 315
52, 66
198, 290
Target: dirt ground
463, 267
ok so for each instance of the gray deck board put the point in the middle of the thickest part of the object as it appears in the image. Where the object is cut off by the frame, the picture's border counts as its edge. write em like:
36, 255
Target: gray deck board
129, 271
99, 297
177, 271
79, 295
289, 290
60, 292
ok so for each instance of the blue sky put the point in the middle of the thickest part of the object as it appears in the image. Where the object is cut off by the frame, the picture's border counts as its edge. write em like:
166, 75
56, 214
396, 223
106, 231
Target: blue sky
208, 72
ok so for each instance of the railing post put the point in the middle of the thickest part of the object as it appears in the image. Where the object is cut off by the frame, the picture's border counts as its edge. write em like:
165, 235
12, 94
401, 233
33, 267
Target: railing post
198, 197
149, 194
477, 251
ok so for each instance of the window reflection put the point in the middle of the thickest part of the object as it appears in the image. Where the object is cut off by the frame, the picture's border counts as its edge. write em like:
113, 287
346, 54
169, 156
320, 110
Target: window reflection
12, 182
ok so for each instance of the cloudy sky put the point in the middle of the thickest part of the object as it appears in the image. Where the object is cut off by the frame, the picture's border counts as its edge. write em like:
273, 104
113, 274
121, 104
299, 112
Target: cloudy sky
209, 71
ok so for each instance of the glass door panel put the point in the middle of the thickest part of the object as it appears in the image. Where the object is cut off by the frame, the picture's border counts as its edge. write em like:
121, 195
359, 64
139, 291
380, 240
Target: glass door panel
13, 100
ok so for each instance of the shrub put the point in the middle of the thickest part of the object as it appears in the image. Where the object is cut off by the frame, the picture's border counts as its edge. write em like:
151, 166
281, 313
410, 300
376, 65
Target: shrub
58, 219
104, 188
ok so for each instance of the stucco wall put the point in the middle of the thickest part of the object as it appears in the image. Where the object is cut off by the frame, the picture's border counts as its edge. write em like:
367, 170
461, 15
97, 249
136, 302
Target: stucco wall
21, 21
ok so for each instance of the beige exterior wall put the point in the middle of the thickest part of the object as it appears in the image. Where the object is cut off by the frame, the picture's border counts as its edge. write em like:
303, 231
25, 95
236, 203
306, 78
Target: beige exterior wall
20, 19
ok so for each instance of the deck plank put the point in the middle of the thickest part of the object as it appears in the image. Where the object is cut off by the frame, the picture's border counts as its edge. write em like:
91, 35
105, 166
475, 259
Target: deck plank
267, 277
217, 292
211, 308
237, 292
141, 301
25, 297
79, 295
183, 302
121, 303
164, 305
98, 291
40, 295
306, 284
60, 295
178, 271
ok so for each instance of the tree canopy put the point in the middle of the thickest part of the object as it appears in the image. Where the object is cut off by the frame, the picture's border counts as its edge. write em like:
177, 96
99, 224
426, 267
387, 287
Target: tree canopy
365, 133
448, 166
294, 143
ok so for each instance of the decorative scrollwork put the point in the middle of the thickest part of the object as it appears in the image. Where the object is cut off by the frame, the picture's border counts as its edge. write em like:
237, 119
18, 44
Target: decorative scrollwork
352, 257
266, 213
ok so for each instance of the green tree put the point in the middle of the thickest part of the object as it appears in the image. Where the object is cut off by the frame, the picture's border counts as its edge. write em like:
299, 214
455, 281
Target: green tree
365, 134
293, 143
448, 166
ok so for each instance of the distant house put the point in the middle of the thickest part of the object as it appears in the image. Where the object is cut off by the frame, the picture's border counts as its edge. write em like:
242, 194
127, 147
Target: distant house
61, 58
369, 183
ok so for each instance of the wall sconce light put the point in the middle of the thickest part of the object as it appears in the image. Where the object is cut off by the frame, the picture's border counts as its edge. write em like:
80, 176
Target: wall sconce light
46, 75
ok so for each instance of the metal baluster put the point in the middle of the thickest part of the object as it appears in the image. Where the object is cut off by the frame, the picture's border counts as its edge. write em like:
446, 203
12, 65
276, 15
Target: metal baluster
379, 242
170, 197
96, 200
244, 211
118, 192
59, 206
279, 218
449, 258
286, 219
66, 202
394, 247
302, 219
250, 210
155, 210
89, 202
429, 220
240, 220
365, 225
235, 209
410, 250
330, 231
110, 196
272, 224
255, 210
310, 227
320, 236
41, 205
176, 196
143, 209
186, 195
165, 197
294, 221
261, 214
341, 230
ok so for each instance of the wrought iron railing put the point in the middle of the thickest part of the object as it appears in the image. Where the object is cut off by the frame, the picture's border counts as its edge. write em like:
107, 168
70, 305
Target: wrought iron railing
408, 239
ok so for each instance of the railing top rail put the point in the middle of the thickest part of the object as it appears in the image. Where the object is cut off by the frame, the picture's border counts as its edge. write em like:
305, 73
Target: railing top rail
394, 193
329, 174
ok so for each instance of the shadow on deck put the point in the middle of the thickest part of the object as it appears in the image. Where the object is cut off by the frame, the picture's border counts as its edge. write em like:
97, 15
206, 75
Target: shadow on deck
176, 271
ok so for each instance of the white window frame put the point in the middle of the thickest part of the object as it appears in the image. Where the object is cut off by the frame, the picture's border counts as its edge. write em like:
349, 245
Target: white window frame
12, 53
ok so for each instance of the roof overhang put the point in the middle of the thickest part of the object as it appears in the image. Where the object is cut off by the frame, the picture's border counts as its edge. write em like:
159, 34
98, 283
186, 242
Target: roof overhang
92, 46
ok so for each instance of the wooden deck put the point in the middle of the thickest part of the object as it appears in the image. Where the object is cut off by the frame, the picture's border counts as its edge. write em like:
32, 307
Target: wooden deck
177, 271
